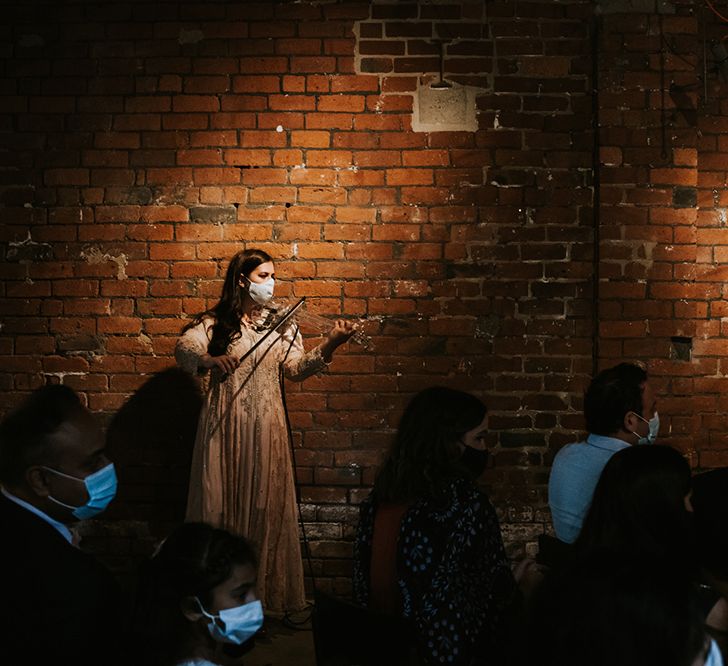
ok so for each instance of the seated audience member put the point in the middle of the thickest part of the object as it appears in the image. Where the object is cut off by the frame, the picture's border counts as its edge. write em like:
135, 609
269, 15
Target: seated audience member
60, 605
710, 511
620, 410
429, 546
607, 611
197, 600
641, 506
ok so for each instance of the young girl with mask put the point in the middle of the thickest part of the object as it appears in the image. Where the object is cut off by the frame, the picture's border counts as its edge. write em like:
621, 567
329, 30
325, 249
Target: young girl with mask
429, 546
197, 601
241, 477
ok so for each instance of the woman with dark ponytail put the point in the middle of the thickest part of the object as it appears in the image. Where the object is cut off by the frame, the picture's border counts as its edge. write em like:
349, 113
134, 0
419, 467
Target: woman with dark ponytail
241, 477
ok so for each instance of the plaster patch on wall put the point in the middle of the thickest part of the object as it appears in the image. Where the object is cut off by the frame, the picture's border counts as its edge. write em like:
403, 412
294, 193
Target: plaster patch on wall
444, 109
60, 376
28, 250
94, 256
441, 69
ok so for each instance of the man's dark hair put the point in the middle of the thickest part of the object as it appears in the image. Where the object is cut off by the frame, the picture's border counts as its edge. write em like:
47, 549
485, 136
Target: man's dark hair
612, 394
25, 433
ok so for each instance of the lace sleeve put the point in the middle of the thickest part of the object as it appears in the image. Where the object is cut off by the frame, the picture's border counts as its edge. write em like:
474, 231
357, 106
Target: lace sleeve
191, 345
299, 363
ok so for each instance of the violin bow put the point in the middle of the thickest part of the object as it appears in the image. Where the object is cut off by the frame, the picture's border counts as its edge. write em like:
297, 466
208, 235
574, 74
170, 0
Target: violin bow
284, 317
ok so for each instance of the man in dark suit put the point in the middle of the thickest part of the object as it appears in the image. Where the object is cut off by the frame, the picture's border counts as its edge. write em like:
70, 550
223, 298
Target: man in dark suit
59, 605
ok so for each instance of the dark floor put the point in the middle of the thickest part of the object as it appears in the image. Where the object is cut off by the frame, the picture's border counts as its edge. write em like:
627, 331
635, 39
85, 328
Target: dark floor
283, 646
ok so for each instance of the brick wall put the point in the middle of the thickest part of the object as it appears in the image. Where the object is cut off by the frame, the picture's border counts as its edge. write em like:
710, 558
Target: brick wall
144, 143
662, 294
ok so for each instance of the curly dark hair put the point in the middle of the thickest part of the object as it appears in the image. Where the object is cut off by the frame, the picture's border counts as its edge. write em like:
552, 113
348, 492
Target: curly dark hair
191, 562
424, 455
229, 309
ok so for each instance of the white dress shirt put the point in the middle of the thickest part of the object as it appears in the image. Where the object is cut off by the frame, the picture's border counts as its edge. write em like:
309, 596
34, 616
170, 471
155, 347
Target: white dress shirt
62, 529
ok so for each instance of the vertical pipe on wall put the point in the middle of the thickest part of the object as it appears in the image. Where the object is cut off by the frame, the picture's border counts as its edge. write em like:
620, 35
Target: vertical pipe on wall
596, 185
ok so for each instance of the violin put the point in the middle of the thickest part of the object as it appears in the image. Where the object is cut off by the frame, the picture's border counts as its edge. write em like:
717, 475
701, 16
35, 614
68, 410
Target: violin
276, 308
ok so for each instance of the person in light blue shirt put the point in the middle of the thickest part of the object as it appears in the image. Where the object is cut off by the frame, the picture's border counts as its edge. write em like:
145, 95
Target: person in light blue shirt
620, 410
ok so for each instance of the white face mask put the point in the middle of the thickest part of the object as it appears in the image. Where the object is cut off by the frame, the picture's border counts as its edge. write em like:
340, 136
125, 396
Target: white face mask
654, 425
261, 292
241, 623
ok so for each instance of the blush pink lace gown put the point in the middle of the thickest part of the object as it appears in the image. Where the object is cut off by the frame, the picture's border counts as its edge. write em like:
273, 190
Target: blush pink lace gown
242, 476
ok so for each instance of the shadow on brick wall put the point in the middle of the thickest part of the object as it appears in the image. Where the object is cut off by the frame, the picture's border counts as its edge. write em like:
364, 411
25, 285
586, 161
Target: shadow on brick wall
150, 439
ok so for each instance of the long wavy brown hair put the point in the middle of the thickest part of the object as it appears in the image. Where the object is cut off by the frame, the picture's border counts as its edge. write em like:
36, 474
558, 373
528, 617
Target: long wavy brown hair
229, 309
425, 455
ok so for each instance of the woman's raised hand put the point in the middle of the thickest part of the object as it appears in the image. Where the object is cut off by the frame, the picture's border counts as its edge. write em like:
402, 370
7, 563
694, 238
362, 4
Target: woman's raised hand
338, 335
341, 332
226, 364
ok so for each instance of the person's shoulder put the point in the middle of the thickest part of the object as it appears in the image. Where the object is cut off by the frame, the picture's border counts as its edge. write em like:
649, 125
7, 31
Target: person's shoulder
206, 322
570, 452
196, 662
464, 491
31, 532
202, 322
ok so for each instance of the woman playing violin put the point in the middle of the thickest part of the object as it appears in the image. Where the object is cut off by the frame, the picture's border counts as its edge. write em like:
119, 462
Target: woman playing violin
241, 477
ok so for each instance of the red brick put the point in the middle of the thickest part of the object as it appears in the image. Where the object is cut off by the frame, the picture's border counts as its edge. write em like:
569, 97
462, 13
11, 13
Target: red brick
361, 178
287, 120
67, 177
199, 157
218, 138
313, 177
246, 158
214, 176
409, 176
341, 103
161, 213
263, 139
264, 176
329, 121
302, 64
674, 177
273, 195
170, 176
328, 158
323, 195
195, 103
264, 65
232, 121
378, 122
378, 158
291, 102
288, 158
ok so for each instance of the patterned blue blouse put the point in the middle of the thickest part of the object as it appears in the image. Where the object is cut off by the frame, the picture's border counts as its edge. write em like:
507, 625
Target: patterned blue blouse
453, 574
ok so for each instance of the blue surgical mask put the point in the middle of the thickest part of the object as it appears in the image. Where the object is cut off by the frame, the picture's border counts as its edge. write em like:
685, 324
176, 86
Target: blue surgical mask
714, 657
654, 426
241, 623
101, 489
